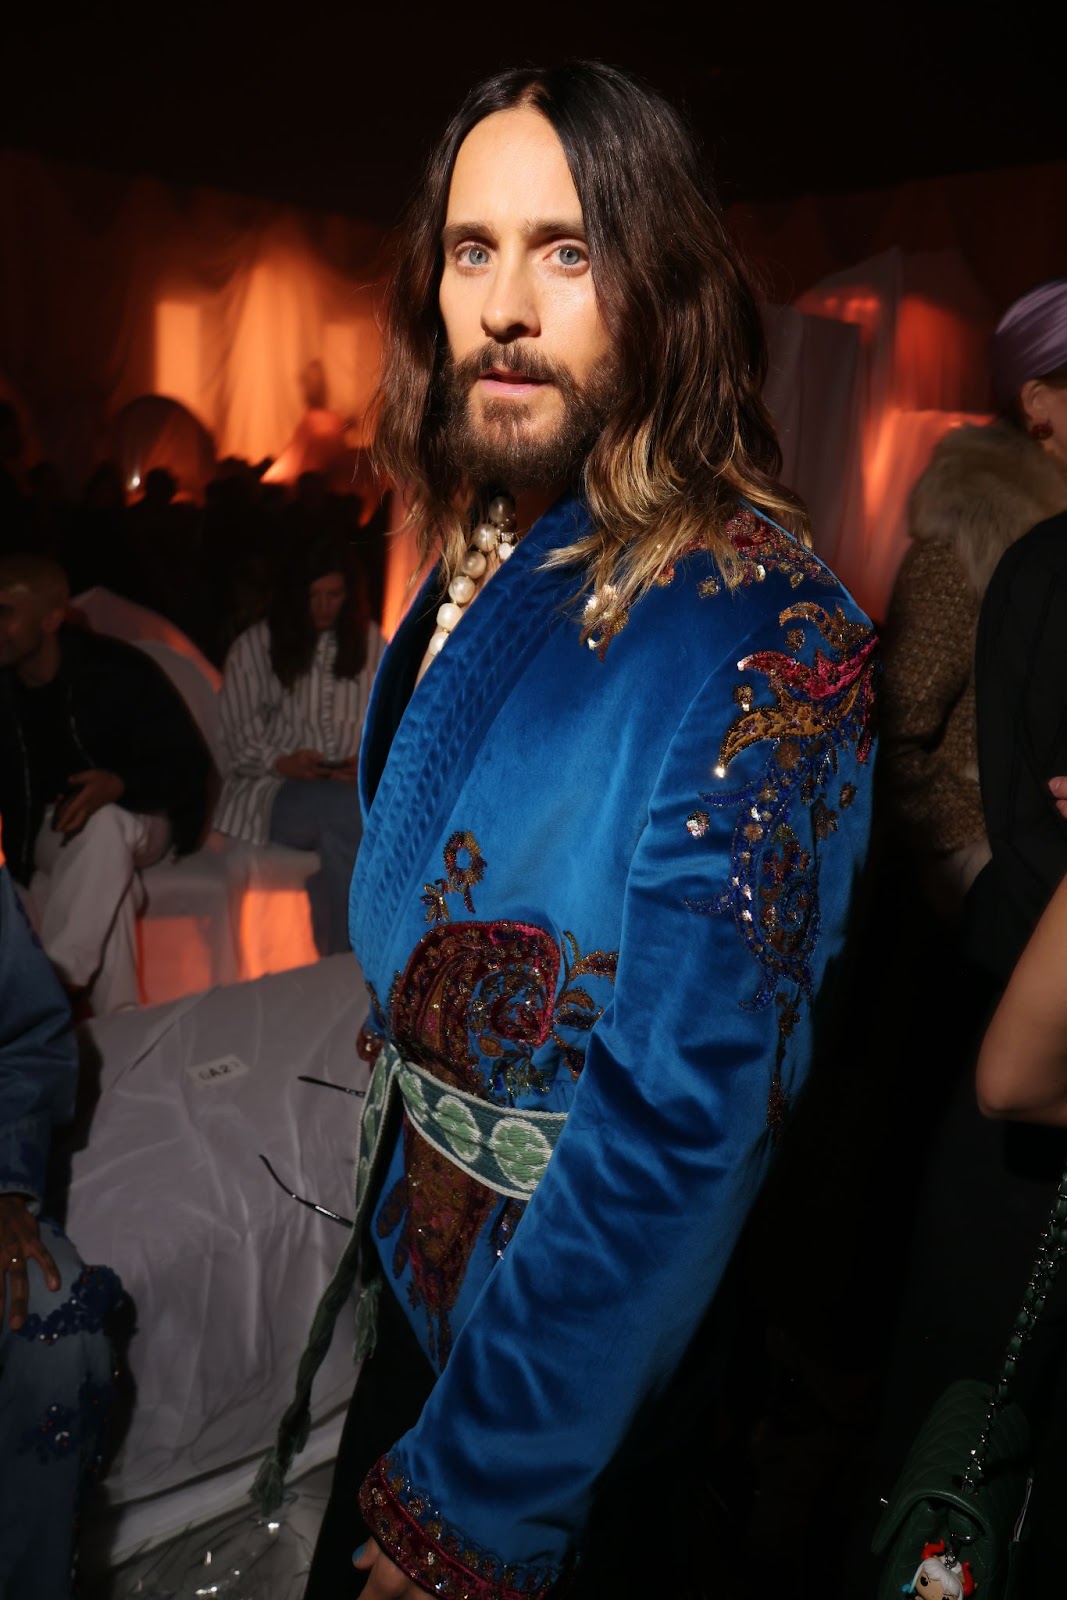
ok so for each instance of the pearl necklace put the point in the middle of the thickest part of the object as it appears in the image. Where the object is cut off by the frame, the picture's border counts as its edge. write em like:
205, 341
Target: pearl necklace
497, 533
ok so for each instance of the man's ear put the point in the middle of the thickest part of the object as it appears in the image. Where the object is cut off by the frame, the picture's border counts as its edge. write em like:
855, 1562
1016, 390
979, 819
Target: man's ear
54, 619
1032, 400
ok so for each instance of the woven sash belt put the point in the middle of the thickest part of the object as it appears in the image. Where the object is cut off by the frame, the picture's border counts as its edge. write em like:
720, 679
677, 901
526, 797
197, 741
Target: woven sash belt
505, 1149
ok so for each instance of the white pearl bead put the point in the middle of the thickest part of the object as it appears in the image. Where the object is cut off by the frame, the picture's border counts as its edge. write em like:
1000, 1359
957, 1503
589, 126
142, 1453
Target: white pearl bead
486, 537
461, 589
448, 615
436, 642
504, 550
474, 563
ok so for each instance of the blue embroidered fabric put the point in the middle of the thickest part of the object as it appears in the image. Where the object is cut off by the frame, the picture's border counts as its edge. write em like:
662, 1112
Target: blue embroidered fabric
608, 883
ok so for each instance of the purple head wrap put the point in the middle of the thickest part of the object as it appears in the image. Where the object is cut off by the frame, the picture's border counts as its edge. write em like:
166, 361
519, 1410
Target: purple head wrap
1031, 338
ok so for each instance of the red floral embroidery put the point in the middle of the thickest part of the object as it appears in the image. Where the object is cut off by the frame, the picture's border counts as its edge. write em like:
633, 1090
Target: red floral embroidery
476, 1001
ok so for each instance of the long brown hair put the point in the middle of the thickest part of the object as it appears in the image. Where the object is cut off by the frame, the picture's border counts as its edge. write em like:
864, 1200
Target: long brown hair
293, 636
689, 434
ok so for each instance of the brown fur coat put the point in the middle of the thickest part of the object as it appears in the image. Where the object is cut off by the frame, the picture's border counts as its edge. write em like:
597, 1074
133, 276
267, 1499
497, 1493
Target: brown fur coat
984, 487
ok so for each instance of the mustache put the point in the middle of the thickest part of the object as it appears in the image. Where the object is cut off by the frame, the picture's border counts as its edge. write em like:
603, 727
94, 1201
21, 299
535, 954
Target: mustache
531, 363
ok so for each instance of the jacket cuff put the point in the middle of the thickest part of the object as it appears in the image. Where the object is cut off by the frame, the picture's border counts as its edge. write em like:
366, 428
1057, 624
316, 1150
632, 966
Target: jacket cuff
23, 1155
434, 1553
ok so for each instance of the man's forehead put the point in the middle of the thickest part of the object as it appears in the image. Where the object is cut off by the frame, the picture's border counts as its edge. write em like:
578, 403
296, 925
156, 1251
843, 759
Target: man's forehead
512, 164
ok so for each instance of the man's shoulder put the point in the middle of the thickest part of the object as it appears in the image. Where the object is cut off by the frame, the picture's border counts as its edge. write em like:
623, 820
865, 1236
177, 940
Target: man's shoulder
101, 665
763, 566
86, 647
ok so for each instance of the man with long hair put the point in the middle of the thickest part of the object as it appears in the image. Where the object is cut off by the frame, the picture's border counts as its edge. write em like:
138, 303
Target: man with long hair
616, 780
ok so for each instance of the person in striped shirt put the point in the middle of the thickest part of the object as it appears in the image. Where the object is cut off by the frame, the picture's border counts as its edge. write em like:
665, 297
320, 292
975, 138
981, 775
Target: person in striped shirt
294, 694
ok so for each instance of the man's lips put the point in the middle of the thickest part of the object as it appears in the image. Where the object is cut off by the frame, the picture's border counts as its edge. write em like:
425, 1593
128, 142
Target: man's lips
498, 380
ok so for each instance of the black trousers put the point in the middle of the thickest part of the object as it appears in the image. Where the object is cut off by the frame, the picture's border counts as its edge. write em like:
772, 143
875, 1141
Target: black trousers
390, 1393
656, 1520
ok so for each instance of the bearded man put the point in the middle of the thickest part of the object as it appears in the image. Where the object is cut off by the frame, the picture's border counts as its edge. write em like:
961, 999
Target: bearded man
616, 785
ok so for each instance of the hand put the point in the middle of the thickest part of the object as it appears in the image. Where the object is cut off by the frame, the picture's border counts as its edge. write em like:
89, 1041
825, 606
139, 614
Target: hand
347, 772
93, 789
20, 1241
386, 1581
304, 765
1059, 793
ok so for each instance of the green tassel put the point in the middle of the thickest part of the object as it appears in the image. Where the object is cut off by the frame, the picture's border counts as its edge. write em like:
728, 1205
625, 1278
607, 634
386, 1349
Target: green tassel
366, 1335
269, 1486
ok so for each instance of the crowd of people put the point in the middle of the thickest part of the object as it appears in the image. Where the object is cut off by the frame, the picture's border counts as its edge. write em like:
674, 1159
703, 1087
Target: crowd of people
706, 1012
209, 564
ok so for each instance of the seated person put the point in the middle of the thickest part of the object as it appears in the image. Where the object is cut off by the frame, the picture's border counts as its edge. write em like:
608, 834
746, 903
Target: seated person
294, 694
102, 770
56, 1356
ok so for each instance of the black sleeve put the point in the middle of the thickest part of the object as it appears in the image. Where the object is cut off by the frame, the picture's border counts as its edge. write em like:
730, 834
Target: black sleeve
152, 741
1021, 701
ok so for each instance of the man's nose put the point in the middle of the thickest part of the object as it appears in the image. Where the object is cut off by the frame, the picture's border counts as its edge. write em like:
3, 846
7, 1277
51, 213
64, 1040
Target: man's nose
510, 310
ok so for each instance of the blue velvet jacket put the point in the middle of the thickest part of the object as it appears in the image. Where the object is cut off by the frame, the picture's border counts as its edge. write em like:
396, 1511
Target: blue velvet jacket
609, 882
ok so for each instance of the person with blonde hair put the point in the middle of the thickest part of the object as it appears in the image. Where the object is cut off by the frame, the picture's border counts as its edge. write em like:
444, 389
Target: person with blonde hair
616, 783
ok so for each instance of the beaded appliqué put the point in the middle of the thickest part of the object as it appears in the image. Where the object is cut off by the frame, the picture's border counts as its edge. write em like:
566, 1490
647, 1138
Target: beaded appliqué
766, 548
464, 868
64, 1429
474, 1004
93, 1295
433, 1553
772, 894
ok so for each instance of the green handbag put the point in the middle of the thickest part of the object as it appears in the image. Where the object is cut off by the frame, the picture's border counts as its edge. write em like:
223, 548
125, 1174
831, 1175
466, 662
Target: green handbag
929, 1502
965, 1483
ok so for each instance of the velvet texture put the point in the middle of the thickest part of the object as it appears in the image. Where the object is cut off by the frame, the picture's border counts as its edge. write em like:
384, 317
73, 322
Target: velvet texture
613, 883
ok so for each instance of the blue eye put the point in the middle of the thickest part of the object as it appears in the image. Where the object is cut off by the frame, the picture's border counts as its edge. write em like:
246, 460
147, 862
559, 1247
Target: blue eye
570, 255
474, 255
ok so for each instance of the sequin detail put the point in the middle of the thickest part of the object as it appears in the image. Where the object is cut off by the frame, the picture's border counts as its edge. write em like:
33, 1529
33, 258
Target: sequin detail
765, 549
63, 1429
94, 1294
816, 709
464, 867
434, 1553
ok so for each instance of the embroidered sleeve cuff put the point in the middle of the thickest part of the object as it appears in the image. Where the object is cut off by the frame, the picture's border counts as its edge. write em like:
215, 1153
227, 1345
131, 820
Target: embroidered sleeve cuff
435, 1554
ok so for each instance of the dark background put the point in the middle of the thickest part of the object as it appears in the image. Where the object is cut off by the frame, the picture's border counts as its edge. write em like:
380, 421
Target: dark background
334, 106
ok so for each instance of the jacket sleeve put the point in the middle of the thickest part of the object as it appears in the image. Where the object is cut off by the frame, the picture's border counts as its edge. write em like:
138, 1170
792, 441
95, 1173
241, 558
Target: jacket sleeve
926, 695
1021, 667
735, 910
38, 1054
250, 703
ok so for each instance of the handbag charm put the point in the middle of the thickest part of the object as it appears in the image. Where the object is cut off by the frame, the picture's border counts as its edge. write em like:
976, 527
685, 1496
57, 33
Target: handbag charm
941, 1575
953, 1524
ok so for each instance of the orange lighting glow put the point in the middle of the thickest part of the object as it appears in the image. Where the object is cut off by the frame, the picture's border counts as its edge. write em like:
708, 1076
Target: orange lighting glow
275, 931
178, 352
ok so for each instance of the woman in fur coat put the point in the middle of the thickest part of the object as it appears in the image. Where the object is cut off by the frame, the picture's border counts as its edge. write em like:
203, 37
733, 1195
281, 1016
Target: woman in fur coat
984, 487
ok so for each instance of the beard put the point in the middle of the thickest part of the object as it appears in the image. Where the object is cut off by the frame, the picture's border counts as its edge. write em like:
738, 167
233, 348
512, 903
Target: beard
497, 447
